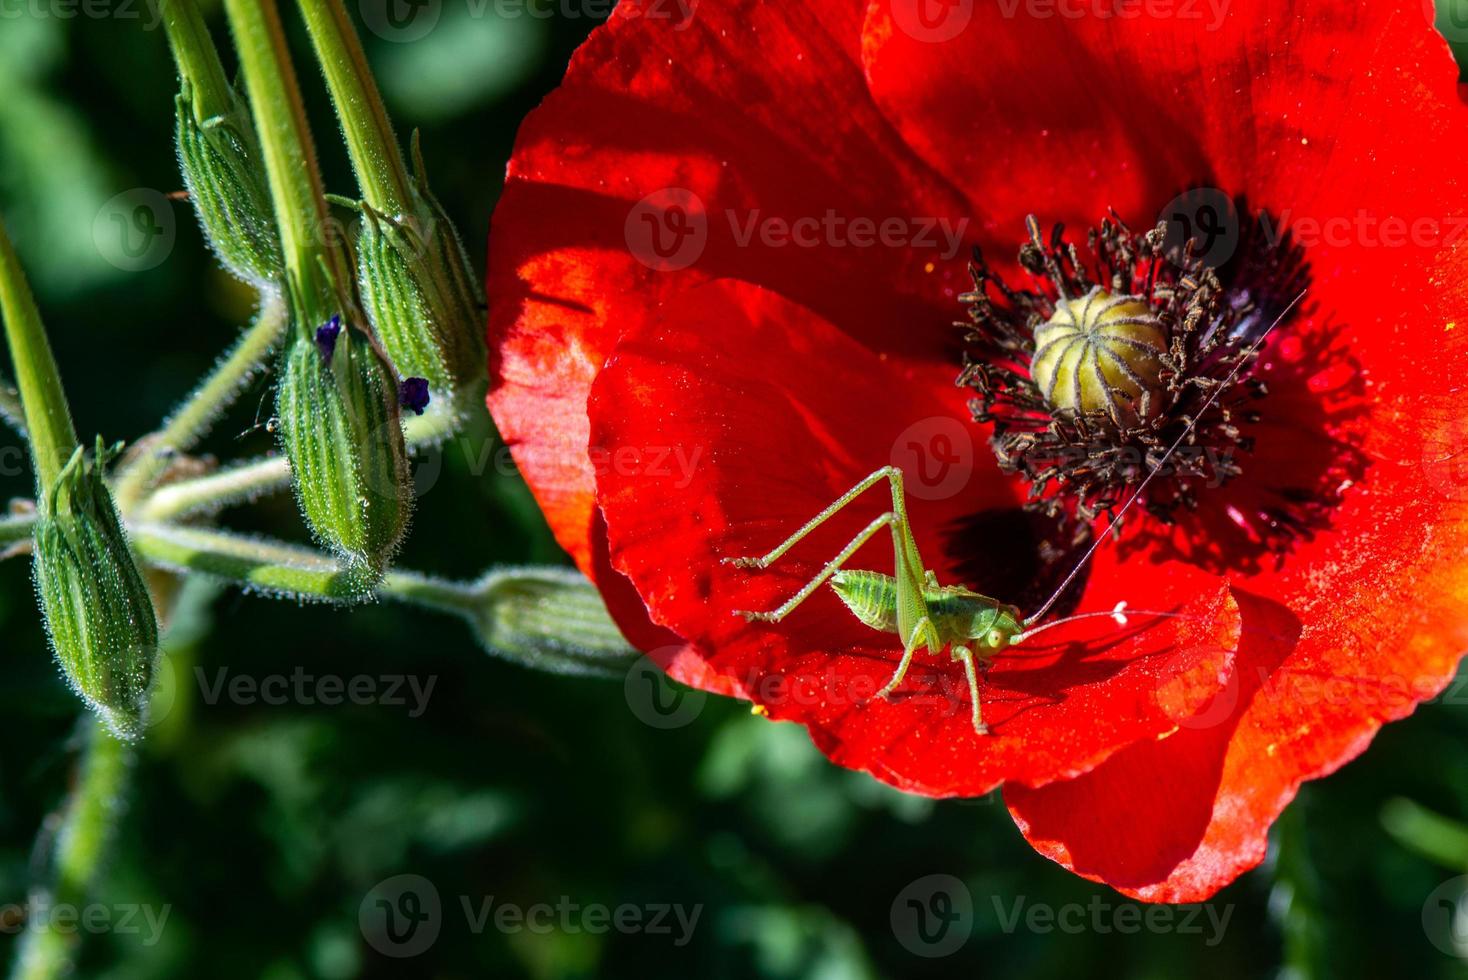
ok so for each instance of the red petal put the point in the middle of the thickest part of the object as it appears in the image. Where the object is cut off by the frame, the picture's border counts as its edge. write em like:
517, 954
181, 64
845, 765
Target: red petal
648, 106
1053, 110
1377, 604
779, 413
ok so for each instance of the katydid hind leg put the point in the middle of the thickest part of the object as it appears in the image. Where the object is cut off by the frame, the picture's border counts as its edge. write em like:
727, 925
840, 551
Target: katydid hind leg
832, 567
872, 479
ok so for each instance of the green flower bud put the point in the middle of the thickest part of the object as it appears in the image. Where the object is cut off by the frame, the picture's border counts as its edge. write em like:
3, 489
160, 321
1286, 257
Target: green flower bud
221, 164
96, 605
419, 293
341, 429
551, 619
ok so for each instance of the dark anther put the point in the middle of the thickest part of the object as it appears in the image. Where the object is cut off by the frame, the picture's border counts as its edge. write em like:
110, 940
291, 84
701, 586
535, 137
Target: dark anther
1081, 465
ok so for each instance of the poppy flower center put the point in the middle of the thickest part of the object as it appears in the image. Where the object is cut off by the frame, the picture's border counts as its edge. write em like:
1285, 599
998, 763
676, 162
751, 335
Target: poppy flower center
1113, 354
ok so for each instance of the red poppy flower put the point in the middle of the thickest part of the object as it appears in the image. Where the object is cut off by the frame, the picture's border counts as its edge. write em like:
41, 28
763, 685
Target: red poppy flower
725, 272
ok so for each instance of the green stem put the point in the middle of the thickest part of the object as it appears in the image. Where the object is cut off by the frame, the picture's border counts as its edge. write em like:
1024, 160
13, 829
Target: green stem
43, 403
376, 157
48, 950
256, 563
16, 529
290, 158
237, 484
197, 58
194, 418
251, 480
427, 592
547, 618
275, 566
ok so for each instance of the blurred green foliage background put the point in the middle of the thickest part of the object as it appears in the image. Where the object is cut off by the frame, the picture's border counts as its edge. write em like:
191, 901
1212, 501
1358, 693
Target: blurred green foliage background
263, 828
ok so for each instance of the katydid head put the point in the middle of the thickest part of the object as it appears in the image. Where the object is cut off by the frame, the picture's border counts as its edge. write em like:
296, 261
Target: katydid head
972, 619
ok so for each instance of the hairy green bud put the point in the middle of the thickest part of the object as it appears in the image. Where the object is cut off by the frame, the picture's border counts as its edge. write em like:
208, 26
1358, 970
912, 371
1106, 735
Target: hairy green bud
422, 298
551, 619
341, 429
221, 164
97, 608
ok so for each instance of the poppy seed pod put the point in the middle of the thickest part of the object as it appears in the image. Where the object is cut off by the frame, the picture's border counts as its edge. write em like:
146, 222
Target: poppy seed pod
221, 165
1101, 353
97, 608
341, 429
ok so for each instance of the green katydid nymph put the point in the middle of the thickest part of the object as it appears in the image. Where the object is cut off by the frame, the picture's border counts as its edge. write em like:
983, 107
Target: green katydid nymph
924, 613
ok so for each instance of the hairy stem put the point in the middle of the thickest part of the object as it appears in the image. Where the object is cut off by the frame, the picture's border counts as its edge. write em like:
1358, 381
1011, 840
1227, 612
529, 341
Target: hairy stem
202, 408
43, 403
16, 529
82, 832
257, 563
290, 158
376, 157
197, 58
282, 568
253, 479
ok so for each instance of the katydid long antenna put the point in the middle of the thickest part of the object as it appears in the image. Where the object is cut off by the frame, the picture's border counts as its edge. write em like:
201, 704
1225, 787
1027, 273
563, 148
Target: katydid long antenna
1177, 444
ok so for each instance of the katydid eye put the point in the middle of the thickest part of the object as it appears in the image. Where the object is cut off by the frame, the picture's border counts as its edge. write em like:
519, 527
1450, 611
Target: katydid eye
995, 639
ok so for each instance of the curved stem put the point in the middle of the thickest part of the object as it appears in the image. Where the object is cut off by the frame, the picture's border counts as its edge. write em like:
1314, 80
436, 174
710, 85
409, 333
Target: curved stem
376, 157
253, 562
290, 158
43, 403
16, 529
205, 494
48, 950
199, 412
256, 478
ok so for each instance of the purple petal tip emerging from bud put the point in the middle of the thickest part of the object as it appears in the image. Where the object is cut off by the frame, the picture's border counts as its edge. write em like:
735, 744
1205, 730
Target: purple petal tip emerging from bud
413, 394
326, 336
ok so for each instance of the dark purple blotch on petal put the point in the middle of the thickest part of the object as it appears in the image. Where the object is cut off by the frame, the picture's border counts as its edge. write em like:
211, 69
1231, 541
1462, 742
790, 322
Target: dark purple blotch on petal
413, 394
326, 336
